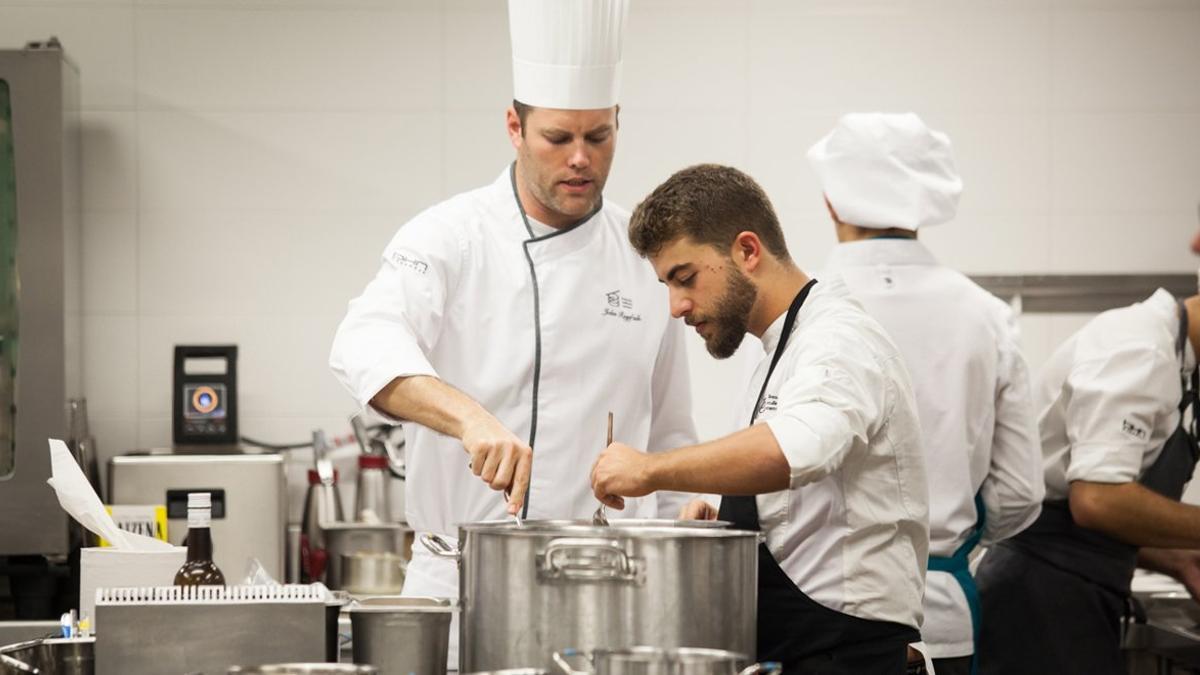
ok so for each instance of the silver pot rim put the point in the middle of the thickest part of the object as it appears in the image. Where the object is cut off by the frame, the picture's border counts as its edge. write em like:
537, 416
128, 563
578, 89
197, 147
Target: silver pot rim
676, 654
630, 527
336, 525
395, 604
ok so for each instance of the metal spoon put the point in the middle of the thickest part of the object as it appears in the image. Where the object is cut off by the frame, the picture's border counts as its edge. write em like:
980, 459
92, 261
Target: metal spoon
598, 518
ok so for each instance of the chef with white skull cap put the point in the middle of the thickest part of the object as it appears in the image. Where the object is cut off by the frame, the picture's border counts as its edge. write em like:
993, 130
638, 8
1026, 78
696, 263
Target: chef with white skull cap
508, 320
886, 176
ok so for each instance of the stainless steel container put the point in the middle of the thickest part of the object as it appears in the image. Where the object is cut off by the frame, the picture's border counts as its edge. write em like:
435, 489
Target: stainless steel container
513, 671
658, 661
528, 591
347, 538
304, 669
402, 635
368, 573
50, 656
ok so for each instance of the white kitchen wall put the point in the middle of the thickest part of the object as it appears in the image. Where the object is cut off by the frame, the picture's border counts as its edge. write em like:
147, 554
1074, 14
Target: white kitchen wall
246, 160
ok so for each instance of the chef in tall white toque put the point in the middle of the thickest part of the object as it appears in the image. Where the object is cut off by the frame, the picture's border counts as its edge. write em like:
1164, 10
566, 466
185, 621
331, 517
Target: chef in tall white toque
505, 322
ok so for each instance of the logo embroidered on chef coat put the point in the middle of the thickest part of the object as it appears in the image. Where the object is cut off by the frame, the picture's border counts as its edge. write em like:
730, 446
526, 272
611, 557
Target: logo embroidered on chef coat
1134, 430
620, 307
401, 260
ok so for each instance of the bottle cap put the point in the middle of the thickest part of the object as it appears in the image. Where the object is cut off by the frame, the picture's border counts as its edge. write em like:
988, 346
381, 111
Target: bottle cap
199, 500
315, 479
372, 462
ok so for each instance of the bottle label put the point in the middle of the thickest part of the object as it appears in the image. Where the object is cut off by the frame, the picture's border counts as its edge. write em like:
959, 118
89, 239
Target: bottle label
199, 517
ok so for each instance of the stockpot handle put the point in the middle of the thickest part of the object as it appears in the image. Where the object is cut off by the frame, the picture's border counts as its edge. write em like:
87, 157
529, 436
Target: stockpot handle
772, 667
582, 558
439, 547
560, 658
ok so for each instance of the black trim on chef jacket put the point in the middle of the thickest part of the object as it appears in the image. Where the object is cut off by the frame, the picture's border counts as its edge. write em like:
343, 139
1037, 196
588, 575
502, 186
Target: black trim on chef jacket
537, 312
806, 636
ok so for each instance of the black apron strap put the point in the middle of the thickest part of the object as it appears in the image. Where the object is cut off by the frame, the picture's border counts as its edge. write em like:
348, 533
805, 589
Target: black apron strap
741, 511
801, 633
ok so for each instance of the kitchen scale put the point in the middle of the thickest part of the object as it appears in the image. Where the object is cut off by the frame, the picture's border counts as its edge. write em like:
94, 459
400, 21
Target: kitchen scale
204, 409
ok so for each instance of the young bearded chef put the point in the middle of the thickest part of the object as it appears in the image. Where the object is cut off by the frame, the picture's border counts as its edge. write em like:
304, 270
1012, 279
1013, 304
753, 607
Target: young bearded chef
507, 321
1118, 448
830, 467
885, 176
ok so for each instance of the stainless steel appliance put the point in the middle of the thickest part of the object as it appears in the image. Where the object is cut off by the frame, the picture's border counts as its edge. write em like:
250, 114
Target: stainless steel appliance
207, 629
249, 501
40, 315
530, 590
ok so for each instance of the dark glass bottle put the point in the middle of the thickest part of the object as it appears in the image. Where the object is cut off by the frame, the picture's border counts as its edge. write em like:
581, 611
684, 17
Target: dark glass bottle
199, 570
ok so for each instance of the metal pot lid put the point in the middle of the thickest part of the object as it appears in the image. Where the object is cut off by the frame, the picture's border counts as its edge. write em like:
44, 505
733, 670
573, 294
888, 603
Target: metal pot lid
328, 525
622, 527
674, 655
512, 671
304, 669
395, 604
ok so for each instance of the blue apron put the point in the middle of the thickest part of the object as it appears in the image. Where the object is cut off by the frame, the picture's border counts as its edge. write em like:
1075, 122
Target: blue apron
958, 566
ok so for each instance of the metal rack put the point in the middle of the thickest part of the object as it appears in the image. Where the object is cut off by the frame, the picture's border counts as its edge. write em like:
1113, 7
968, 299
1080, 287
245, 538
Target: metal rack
1085, 293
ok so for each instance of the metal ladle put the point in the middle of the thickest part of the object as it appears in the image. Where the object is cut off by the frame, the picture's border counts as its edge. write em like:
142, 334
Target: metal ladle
598, 517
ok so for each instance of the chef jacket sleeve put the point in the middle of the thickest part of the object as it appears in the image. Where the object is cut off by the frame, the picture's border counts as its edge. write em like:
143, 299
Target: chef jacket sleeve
829, 401
1114, 402
1015, 485
390, 328
671, 423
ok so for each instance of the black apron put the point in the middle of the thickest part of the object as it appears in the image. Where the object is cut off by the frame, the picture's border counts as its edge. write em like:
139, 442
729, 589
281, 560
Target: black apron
804, 635
1052, 597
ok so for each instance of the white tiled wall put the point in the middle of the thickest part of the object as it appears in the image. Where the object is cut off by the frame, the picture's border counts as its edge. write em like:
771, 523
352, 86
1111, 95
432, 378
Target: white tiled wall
246, 160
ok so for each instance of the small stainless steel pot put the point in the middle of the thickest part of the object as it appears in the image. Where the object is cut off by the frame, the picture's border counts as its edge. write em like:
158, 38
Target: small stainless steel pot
659, 661
402, 635
371, 573
348, 538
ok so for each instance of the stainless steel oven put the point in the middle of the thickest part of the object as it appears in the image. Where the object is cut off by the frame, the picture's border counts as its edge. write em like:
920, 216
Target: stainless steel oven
40, 290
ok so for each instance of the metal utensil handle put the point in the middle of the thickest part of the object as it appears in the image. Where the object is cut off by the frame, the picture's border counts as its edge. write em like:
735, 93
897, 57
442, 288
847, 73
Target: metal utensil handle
560, 659
772, 667
440, 547
586, 559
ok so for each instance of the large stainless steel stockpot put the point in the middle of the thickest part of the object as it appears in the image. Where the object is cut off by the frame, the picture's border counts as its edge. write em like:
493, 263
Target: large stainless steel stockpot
530, 590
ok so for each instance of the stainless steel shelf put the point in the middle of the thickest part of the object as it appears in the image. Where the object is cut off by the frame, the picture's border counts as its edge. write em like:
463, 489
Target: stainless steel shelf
1089, 293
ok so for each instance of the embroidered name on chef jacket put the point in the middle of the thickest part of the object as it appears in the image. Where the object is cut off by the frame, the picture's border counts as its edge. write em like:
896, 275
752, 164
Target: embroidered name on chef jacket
619, 306
770, 403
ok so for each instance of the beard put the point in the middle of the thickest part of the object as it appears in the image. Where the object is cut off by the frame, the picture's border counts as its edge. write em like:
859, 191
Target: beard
542, 184
731, 317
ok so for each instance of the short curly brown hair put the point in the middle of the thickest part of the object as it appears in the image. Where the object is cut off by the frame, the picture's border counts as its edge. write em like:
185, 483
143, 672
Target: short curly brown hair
710, 204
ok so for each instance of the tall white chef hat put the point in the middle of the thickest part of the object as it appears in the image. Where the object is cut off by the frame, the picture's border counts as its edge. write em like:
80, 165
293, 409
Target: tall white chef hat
883, 170
567, 53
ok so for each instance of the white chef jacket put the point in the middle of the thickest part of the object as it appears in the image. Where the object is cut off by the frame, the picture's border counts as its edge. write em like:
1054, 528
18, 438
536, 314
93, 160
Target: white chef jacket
960, 344
851, 531
549, 334
1108, 397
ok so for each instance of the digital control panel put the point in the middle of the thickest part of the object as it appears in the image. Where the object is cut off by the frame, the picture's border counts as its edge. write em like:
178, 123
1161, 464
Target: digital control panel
205, 397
